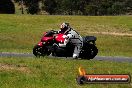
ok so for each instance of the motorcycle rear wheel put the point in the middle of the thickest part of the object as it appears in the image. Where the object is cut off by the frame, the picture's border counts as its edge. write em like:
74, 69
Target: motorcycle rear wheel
89, 52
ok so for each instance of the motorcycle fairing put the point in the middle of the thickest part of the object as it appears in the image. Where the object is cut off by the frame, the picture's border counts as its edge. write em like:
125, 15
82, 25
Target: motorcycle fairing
60, 38
40, 43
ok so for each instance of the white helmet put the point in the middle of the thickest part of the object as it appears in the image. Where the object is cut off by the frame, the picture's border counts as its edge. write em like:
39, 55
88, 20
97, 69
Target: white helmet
64, 27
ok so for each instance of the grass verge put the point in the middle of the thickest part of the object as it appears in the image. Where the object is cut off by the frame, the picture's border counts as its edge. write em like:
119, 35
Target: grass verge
56, 73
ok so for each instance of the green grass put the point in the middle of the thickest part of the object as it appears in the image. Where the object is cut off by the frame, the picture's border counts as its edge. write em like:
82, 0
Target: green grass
19, 33
56, 73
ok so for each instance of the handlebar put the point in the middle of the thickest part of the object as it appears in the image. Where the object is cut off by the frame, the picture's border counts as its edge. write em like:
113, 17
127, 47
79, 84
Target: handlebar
51, 33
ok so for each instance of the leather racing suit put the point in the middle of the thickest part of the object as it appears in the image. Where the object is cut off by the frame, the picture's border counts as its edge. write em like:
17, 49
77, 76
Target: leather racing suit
73, 37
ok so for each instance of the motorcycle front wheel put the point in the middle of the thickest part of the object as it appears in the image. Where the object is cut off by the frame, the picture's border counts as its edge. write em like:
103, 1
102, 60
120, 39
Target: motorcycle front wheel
40, 51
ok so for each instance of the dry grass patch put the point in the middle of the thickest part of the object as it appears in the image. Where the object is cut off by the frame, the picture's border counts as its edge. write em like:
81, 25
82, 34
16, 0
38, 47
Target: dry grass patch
112, 33
11, 67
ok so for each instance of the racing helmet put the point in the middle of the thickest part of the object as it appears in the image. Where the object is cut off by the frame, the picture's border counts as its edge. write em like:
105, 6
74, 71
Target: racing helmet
64, 27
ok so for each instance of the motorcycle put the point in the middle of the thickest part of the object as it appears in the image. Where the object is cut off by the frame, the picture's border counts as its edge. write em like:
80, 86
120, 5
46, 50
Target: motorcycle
49, 45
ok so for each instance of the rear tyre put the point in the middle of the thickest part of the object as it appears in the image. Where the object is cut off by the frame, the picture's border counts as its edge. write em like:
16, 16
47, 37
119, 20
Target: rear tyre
89, 52
40, 51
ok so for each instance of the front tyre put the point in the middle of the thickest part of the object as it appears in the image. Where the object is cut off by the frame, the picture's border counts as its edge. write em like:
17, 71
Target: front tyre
40, 51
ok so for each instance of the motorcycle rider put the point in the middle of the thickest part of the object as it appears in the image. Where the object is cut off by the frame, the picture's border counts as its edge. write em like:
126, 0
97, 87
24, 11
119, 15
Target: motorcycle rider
72, 36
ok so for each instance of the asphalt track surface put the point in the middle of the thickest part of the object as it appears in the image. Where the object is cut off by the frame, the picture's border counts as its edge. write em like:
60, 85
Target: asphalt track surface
100, 58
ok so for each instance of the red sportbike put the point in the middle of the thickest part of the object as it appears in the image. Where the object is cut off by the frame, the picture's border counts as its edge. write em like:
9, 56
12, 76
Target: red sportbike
49, 45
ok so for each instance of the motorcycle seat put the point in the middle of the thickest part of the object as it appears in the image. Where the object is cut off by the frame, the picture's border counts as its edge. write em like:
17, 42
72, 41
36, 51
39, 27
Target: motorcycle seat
89, 39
